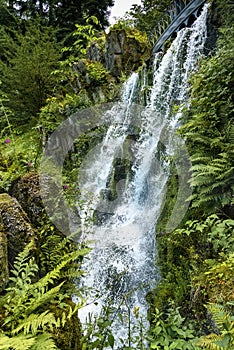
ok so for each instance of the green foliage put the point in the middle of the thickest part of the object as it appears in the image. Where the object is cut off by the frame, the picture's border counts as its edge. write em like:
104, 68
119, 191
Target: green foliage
98, 330
53, 248
217, 279
208, 129
220, 234
20, 326
226, 10
131, 31
224, 339
97, 73
59, 108
84, 35
61, 14
26, 72
27, 317
83, 82
148, 15
5, 115
215, 230
213, 180
18, 156
7, 18
170, 332
83, 87
196, 263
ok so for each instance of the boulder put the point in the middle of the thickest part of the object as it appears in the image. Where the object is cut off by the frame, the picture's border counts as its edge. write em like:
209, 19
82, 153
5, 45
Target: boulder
27, 191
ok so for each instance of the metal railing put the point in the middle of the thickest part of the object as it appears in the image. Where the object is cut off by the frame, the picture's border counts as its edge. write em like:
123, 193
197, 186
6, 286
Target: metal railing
177, 14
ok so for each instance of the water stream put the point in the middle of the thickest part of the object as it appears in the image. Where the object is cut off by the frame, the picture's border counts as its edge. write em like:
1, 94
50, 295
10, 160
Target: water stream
121, 267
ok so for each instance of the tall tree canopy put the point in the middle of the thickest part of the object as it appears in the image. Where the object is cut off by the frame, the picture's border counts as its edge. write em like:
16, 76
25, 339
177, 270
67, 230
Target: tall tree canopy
148, 13
62, 14
25, 68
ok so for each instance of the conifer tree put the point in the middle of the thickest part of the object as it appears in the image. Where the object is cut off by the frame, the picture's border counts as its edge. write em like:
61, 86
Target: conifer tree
26, 70
62, 15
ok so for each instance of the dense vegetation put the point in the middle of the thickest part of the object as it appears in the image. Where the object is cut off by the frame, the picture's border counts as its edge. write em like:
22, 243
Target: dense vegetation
41, 46
197, 259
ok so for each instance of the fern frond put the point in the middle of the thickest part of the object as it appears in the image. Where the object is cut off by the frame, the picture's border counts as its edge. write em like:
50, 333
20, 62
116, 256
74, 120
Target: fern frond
200, 180
27, 303
231, 134
220, 316
204, 200
204, 140
44, 342
225, 339
21, 342
34, 323
56, 272
40, 298
200, 158
210, 342
22, 259
23, 277
229, 173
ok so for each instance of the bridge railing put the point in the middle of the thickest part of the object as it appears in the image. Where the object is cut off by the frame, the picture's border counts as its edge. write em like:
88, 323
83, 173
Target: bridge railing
167, 18
177, 13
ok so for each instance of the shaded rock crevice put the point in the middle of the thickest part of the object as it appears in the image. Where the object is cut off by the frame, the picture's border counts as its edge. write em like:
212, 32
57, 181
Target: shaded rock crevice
15, 233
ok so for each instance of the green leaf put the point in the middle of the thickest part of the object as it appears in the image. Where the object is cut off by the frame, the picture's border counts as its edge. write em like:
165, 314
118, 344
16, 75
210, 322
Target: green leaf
111, 340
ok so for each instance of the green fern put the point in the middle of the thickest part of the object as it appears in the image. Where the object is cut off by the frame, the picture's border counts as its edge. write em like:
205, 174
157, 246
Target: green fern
209, 131
35, 322
212, 181
28, 321
22, 342
44, 342
26, 342
225, 339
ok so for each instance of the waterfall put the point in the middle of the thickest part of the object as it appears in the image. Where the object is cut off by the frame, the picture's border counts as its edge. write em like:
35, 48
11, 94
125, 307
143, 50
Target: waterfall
121, 267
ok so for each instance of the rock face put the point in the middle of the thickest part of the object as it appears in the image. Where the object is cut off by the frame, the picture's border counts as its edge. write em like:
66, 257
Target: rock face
15, 232
126, 50
27, 192
95, 53
93, 77
4, 272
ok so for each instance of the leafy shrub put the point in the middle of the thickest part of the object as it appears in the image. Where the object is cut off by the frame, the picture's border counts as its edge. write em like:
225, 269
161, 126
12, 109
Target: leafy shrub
170, 332
19, 154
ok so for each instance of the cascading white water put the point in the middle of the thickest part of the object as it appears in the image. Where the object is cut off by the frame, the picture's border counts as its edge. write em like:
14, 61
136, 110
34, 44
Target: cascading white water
94, 180
121, 264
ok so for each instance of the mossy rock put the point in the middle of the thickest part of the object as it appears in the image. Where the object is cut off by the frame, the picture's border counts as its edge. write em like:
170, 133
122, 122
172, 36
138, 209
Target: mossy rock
27, 192
4, 271
69, 336
15, 229
168, 201
126, 50
96, 80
